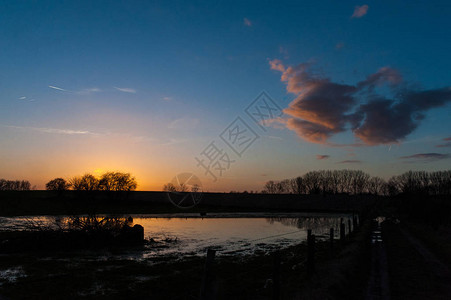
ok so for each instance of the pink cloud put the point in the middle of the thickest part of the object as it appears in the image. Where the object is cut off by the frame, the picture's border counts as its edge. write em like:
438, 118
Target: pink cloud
323, 108
360, 11
276, 64
247, 22
321, 157
350, 161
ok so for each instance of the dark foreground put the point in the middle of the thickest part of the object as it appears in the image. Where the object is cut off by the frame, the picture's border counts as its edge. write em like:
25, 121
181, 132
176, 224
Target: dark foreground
104, 274
27, 203
416, 235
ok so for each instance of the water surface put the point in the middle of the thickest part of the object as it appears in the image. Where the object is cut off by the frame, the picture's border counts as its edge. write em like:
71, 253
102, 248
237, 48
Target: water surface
228, 233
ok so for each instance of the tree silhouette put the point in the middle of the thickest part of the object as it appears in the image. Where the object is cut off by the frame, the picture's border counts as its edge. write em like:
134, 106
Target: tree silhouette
110, 181
57, 184
117, 181
14, 185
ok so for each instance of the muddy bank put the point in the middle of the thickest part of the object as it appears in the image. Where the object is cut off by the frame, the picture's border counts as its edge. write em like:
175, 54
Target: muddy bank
102, 275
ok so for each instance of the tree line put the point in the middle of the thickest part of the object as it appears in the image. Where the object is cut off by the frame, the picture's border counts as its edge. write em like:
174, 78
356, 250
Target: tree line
353, 182
14, 185
109, 181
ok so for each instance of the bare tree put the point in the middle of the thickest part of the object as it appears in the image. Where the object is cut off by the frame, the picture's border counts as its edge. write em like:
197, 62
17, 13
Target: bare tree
270, 187
117, 181
57, 184
377, 186
14, 185
297, 185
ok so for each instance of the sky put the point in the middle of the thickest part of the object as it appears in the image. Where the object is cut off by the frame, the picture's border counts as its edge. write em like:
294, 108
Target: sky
234, 92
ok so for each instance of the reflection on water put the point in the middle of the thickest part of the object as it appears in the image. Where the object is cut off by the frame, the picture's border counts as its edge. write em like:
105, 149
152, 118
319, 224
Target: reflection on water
228, 233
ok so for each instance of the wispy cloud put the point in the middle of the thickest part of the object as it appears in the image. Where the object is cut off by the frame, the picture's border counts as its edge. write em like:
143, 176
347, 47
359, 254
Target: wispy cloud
360, 11
57, 88
126, 90
22, 98
86, 91
247, 22
89, 91
445, 145
426, 157
53, 130
350, 161
321, 157
323, 108
167, 98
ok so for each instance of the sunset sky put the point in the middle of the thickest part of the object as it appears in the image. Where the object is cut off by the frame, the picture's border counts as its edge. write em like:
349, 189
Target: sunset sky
146, 87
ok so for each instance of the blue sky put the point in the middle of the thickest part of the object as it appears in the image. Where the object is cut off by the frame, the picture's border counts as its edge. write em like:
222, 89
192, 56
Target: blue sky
145, 86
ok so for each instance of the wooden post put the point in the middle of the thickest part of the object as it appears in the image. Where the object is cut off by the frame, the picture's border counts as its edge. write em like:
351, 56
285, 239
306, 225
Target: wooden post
342, 233
207, 290
276, 276
331, 239
349, 226
310, 254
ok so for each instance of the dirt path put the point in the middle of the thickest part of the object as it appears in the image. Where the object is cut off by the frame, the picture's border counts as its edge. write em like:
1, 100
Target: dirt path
378, 285
438, 268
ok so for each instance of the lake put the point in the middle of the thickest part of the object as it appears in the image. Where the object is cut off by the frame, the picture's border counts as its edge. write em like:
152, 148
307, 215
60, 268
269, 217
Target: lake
187, 234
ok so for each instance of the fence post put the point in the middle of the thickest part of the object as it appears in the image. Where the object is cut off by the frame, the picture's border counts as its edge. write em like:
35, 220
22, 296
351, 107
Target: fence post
276, 276
331, 239
310, 254
342, 233
207, 290
349, 226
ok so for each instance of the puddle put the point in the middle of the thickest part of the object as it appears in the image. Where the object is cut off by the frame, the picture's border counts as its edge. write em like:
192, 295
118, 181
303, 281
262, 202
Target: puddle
11, 275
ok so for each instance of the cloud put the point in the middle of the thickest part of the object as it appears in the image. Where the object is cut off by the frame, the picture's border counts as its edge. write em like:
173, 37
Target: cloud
89, 91
247, 22
323, 108
22, 98
350, 161
126, 90
276, 64
321, 157
167, 98
382, 76
426, 157
86, 91
57, 88
360, 11
339, 45
388, 121
54, 130
445, 145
